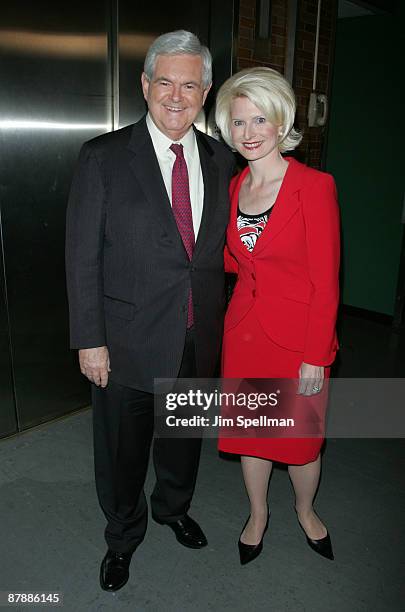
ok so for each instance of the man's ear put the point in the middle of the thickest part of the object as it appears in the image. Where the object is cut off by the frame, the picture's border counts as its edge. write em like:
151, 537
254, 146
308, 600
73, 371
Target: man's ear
205, 93
145, 85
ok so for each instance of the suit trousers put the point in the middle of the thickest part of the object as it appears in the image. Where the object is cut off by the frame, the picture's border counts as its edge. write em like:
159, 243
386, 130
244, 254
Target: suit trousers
123, 430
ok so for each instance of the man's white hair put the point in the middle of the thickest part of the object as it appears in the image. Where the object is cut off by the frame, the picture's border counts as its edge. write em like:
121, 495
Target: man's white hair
178, 43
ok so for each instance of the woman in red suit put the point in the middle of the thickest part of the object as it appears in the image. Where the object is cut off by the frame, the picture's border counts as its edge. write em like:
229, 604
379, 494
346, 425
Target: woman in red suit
283, 243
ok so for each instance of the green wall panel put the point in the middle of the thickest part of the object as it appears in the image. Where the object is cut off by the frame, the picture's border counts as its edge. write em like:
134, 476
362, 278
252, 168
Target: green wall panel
366, 156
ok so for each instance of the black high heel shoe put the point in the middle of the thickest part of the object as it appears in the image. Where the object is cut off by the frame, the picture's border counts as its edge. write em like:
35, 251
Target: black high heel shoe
323, 546
249, 552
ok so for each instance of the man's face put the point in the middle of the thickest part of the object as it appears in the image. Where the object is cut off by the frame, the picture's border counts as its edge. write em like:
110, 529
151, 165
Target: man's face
175, 94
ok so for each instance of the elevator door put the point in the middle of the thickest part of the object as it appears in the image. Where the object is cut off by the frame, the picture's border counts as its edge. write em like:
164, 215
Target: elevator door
54, 75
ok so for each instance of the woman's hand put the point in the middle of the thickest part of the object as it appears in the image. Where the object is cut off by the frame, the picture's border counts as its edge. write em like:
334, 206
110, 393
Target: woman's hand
311, 379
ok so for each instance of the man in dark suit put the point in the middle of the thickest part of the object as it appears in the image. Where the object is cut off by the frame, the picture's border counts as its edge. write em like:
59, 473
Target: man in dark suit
145, 233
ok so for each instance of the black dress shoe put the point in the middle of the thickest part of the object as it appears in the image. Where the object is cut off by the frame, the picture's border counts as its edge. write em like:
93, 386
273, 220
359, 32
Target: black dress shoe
322, 547
114, 570
188, 532
249, 552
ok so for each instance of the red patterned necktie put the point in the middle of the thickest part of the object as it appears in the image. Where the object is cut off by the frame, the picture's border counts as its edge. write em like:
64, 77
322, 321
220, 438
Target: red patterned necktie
181, 206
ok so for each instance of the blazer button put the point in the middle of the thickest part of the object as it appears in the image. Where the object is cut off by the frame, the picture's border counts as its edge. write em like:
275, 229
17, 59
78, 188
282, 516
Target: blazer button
253, 276
254, 292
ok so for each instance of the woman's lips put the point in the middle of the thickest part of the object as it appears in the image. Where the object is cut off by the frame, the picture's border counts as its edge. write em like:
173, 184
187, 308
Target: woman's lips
250, 146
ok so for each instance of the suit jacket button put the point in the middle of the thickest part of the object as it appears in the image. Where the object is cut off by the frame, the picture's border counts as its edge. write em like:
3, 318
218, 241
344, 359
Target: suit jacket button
254, 292
253, 276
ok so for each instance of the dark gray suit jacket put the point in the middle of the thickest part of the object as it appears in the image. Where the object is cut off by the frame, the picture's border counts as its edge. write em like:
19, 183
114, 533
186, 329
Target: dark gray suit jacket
128, 274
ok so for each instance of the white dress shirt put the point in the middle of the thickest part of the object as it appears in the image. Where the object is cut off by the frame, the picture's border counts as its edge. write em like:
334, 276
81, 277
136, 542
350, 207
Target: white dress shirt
166, 158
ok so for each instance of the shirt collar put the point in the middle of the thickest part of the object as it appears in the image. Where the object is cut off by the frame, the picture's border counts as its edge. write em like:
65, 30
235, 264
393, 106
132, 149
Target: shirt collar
162, 143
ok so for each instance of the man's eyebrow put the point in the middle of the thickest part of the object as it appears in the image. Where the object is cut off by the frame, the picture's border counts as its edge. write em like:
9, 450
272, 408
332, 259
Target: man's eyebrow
163, 78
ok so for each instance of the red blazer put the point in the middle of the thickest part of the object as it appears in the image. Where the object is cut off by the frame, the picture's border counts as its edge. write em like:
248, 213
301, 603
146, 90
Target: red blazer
291, 277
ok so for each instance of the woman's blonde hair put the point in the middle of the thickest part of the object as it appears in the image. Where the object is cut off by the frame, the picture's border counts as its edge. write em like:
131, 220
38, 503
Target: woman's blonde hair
270, 92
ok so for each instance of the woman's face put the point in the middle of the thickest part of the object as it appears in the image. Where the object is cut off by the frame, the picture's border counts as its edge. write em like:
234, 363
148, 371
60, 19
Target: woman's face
253, 135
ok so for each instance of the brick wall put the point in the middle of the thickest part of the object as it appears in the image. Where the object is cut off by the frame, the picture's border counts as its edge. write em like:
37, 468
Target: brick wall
254, 52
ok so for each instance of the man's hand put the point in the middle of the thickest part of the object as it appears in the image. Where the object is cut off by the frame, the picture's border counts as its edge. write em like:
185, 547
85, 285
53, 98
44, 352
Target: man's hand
95, 364
311, 379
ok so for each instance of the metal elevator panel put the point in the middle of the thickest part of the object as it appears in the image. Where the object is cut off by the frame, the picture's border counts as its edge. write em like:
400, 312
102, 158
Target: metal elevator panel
54, 75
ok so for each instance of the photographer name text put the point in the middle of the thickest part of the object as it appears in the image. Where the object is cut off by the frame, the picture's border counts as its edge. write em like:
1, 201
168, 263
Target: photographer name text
219, 421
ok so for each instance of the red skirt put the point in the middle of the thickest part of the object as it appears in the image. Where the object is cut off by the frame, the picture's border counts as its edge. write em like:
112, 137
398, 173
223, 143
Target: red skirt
249, 353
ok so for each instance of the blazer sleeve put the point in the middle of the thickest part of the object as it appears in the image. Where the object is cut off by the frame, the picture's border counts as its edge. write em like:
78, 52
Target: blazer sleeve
85, 224
321, 218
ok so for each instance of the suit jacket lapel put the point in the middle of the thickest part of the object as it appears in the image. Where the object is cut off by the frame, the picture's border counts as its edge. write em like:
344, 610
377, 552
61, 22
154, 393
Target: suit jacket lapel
210, 177
284, 208
147, 171
233, 234
146, 168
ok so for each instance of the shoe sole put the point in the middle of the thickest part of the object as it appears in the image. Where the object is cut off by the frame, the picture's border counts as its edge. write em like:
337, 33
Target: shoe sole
117, 588
194, 546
